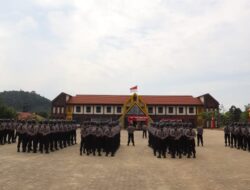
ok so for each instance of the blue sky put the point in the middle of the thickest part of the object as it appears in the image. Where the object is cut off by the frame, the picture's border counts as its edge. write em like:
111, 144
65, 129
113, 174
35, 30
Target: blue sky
171, 47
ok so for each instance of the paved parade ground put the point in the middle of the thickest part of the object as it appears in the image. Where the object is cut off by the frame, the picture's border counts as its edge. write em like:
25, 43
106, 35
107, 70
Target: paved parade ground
215, 167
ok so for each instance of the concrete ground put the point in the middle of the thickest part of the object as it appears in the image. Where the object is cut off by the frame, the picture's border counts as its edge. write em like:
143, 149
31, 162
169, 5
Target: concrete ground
216, 167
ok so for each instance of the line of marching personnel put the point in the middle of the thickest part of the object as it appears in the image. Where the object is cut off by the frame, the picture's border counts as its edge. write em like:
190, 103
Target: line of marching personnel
237, 135
174, 138
98, 137
45, 136
7, 131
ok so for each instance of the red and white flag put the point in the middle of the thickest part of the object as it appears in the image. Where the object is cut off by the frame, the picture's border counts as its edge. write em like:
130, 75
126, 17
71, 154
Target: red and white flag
134, 89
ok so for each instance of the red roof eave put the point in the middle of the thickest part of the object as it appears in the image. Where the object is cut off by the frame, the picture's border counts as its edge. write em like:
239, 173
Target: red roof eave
120, 100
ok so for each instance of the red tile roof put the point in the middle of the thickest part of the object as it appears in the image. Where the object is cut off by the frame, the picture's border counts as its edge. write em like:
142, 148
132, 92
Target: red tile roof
121, 99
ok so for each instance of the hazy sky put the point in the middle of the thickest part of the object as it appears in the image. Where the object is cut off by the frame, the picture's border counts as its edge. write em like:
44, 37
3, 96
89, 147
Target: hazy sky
182, 47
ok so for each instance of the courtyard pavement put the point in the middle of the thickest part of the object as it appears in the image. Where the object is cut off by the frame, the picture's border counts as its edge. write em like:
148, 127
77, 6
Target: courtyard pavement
133, 168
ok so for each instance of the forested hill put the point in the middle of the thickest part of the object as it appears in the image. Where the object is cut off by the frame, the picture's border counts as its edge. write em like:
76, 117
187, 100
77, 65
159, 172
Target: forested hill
23, 101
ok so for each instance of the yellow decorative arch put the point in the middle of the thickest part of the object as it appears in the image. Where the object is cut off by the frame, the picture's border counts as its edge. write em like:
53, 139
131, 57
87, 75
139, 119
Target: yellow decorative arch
130, 103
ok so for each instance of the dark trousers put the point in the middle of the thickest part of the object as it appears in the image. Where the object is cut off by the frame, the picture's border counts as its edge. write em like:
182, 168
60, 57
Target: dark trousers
144, 134
244, 142
173, 147
24, 142
110, 148
35, 142
1, 137
11, 136
131, 138
51, 141
82, 147
191, 148
231, 140
227, 139
74, 136
200, 139
179, 147
44, 143
99, 145
248, 142
20, 140
239, 138
30, 142
162, 148
235, 140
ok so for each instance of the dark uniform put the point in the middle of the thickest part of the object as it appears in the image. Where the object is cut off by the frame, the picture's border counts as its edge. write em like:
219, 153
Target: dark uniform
227, 135
199, 136
190, 134
144, 131
131, 130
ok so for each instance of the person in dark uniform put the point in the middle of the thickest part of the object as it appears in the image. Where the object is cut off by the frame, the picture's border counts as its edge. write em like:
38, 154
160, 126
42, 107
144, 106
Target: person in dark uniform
173, 135
162, 141
190, 133
248, 136
30, 135
236, 135
25, 137
1, 131
35, 137
99, 138
20, 133
131, 130
8, 131
83, 140
108, 139
179, 134
227, 135
199, 136
244, 136
144, 131
4, 131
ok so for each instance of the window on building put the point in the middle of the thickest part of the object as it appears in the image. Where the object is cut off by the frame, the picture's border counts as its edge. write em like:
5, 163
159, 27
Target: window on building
160, 109
170, 110
62, 109
54, 109
58, 110
191, 109
118, 109
88, 109
108, 109
150, 109
78, 109
181, 110
98, 109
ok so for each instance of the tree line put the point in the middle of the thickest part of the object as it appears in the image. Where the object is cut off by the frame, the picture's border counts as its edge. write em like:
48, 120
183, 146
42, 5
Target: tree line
234, 114
12, 102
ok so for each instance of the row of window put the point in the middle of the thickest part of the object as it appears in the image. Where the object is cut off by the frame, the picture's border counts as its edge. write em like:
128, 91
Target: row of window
171, 110
118, 109
58, 110
98, 109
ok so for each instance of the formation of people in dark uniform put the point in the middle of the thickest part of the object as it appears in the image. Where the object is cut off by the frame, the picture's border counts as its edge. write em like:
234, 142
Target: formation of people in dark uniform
100, 137
45, 136
7, 131
237, 135
174, 138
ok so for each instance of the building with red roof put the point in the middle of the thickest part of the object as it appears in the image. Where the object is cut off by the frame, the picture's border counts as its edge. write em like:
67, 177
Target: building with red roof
138, 108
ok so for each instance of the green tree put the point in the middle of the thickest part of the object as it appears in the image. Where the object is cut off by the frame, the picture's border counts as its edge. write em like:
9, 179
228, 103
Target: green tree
25, 101
43, 114
244, 116
234, 114
224, 119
